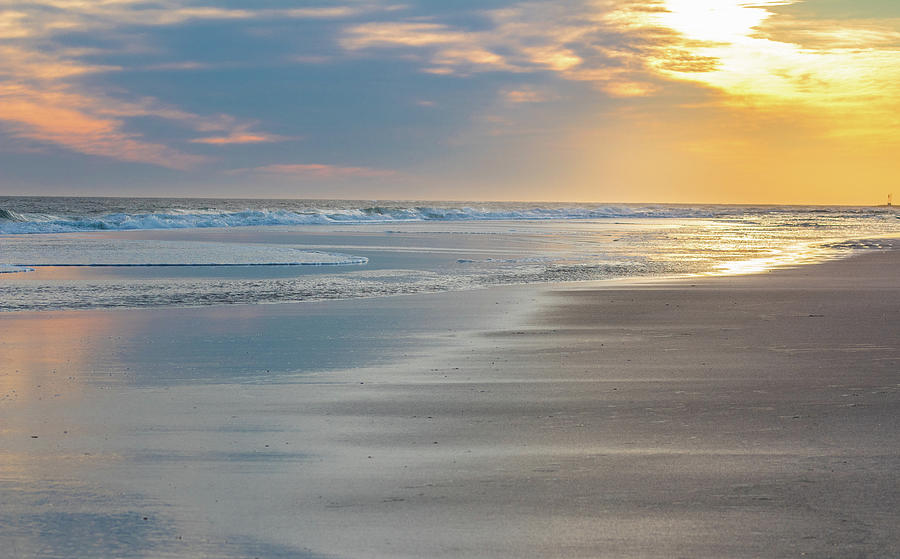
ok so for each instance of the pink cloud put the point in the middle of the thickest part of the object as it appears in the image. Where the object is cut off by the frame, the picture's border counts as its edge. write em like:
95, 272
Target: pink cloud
46, 94
41, 117
238, 138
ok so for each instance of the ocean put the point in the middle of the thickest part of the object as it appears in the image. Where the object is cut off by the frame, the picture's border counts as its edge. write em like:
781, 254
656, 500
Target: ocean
79, 253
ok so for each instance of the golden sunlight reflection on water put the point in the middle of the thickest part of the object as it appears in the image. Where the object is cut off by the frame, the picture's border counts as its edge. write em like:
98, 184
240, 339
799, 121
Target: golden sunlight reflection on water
794, 255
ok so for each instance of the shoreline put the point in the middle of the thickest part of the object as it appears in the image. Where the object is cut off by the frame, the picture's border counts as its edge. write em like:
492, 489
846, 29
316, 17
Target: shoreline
737, 268
415, 258
737, 416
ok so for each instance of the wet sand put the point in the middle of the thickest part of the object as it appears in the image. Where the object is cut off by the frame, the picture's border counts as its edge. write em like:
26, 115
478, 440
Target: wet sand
750, 416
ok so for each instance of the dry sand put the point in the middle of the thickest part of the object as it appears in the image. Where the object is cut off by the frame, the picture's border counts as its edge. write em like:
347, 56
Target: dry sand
752, 416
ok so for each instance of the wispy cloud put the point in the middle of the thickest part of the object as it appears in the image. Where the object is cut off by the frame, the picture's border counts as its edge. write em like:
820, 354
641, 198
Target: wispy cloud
44, 107
831, 33
392, 34
40, 116
45, 91
46, 17
747, 51
239, 136
319, 171
525, 95
566, 40
176, 66
38, 103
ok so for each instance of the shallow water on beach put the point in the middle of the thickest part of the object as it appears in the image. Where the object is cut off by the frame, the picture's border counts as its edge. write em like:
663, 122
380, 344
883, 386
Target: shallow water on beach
77, 253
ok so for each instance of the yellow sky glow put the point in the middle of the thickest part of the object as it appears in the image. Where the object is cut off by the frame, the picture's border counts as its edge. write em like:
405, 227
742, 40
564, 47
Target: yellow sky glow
751, 64
796, 112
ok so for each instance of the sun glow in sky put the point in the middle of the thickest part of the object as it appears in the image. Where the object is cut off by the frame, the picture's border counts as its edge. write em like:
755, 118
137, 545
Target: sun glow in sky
747, 61
762, 101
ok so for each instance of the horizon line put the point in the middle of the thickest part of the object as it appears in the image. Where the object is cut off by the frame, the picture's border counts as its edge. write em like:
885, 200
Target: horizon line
444, 200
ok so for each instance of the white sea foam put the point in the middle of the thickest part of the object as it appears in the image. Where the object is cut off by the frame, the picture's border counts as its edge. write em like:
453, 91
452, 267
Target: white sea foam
16, 223
21, 222
865, 244
8, 269
426, 247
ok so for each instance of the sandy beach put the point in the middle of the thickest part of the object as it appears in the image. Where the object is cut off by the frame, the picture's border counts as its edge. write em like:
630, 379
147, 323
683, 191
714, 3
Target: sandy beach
743, 416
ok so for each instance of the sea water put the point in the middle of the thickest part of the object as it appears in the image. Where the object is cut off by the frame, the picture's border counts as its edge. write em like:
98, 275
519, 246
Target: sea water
71, 253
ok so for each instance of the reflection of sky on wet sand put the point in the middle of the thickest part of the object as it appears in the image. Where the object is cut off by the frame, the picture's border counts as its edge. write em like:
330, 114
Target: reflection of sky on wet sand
67, 518
53, 355
175, 432
48, 511
44, 353
80, 447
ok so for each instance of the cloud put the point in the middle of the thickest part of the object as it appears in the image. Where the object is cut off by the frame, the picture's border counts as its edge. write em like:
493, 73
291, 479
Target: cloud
832, 34
759, 57
11, 26
37, 102
235, 139
177, 66
525, 95
471, 57
239, 136
319, 171
46, 17
19, 63
573, 41
37, 116
393, 34
45, 91
748, 53
451, 50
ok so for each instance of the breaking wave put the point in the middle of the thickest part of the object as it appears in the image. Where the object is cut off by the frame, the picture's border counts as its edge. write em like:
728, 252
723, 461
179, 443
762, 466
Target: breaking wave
12, 222
9, 215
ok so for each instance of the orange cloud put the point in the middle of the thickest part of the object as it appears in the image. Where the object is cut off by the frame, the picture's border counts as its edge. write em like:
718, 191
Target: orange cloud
36, 103
46, 17
19, 63
41, 99
46, 109
531, 37
28, 117
525, 95
453, 51
391, 34
238, 138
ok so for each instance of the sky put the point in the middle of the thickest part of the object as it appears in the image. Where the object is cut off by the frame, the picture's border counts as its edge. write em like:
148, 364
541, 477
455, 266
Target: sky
679, 101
